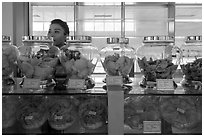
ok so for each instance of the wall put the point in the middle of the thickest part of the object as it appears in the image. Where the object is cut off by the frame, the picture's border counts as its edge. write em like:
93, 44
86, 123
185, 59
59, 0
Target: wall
15, 20
7, 19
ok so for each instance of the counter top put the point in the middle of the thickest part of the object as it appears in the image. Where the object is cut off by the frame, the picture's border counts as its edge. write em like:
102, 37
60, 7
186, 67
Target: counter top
97, 90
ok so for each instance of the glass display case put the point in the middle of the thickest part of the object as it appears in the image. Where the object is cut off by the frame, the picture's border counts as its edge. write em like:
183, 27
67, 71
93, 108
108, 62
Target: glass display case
175, 114
77, 111
54, 112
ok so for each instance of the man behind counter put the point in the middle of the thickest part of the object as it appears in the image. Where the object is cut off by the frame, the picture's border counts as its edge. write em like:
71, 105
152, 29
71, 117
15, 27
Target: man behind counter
59, 30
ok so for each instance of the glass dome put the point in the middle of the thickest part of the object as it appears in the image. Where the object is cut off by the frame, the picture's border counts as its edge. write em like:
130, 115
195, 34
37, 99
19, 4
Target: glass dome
191, 64
79, 58
117, 57
9, 63
157, 59
38, 57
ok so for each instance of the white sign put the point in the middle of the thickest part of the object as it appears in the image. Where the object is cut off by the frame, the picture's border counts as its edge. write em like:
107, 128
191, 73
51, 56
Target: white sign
152, 126
165, 84
114, 80
31, 83
76, 83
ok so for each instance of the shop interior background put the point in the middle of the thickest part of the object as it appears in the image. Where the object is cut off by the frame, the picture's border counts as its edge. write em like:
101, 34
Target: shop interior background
101, 20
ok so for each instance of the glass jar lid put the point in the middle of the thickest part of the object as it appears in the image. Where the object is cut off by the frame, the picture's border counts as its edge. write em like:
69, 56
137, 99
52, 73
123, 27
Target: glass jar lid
158, 39
39, 39
79, 39
193, 39
6, 38
115, 40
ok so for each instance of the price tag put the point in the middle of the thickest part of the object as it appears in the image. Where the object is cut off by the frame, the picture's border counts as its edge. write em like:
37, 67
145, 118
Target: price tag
152, 126
114, 80
140, 111
58, 117
76, 83
165, 84
31, 83
28, 117
92, 113
180, 110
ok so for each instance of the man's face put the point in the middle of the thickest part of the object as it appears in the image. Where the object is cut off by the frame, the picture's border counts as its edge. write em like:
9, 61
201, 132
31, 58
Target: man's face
58, 34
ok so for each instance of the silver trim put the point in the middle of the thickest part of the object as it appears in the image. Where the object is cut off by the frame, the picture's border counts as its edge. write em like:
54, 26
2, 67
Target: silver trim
115, 40
37, 39
79, 39
154, 39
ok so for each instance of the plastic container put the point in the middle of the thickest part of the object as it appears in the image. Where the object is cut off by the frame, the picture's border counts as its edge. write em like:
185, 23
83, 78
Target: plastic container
38, 58
157, 59
79, 58
191, 65
9, 63
118, 58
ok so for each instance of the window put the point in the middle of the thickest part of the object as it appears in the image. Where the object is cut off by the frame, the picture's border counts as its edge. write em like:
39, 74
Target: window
43, 13
103, 19
188, 21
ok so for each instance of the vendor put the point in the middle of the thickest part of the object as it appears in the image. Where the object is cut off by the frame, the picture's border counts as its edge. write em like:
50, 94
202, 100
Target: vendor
59, 30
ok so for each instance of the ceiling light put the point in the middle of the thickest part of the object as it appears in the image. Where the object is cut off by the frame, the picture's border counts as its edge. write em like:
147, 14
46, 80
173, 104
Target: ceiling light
188, 20
103, 16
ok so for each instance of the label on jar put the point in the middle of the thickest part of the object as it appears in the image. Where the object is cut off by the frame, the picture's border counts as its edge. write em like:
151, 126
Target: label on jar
180, 110
152, 126
58, 117
28, 117
114, 80
31, 83
92, 113
165, 84
140, 111
76, 84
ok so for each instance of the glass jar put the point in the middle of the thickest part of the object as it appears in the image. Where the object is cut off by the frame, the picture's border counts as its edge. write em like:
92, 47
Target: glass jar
191, 64
32, 112
9, 63
79, 58
38, 58
118, 58
156, 59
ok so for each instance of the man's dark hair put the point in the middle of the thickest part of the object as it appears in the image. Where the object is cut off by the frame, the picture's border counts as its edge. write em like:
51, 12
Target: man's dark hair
62, 24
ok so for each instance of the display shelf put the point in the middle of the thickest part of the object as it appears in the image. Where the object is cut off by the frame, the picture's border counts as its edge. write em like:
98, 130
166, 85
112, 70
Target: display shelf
114, 97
